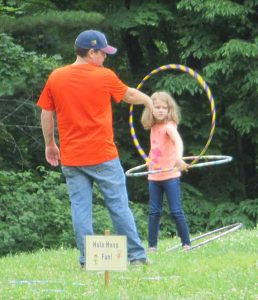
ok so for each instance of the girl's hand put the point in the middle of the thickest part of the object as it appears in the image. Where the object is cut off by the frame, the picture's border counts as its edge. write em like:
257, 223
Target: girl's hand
181, 165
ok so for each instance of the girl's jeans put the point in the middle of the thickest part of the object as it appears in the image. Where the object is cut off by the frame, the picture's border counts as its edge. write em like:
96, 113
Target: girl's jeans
110, 179
171, 188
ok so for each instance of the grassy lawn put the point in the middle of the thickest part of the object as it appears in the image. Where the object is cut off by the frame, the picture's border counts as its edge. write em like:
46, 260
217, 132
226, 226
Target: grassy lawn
223, 269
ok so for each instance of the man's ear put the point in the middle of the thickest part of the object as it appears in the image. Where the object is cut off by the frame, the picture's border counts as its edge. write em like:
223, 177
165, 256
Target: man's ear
91, 52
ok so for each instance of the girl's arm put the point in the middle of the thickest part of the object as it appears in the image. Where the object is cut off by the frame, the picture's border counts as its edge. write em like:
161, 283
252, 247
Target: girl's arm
179, 146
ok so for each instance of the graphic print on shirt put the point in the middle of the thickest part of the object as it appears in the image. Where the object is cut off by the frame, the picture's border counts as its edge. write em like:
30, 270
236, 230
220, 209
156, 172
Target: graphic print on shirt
156, 153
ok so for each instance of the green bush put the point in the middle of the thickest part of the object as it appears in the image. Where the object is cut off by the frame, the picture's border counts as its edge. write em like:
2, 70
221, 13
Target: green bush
35, 212
229, 213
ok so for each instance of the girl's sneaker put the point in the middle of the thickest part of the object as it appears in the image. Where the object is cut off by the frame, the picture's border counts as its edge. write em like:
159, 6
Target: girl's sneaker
186, 247
153, 249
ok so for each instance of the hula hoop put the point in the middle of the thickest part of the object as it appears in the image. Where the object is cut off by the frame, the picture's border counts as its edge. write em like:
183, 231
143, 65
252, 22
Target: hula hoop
217, 160
42, 282
205, 87
35, 283
227, 229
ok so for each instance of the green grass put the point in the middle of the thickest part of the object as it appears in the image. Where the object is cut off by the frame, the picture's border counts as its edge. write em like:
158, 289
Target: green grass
223, 269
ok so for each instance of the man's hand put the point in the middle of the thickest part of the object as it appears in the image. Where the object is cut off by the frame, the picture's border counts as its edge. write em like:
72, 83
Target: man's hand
52, 155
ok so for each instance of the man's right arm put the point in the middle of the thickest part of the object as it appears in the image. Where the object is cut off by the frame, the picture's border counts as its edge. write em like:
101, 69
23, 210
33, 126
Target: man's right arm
47, 123
51, 150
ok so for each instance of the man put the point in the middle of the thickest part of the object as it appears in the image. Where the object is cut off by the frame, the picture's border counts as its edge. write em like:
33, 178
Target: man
80, 96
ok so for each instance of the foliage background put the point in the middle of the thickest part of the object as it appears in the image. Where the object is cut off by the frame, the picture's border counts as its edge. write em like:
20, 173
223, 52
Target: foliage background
217, 39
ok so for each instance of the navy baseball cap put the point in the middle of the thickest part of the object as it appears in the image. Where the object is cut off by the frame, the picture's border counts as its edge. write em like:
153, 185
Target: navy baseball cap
93, 39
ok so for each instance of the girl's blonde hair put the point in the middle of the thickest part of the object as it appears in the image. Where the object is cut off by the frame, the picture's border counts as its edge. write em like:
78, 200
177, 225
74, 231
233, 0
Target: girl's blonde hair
174, 115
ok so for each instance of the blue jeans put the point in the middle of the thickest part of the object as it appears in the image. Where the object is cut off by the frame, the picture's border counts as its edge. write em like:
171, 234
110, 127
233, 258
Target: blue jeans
111, 181
171, 188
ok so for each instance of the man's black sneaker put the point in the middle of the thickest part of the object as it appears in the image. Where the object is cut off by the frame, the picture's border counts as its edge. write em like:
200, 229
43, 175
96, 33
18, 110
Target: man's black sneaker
138, 262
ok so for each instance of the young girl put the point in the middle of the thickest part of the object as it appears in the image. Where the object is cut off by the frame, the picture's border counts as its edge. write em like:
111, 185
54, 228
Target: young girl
166, 152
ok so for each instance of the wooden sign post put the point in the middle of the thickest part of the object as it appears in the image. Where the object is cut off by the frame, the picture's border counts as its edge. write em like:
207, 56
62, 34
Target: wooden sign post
107, 277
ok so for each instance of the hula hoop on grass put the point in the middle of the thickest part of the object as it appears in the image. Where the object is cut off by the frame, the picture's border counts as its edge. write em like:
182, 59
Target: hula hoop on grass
209, 161
205, 87
42, 282
36, 283
224, 231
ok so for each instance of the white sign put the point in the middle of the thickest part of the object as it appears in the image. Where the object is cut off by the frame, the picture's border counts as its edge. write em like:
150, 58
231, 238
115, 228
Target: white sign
106, 252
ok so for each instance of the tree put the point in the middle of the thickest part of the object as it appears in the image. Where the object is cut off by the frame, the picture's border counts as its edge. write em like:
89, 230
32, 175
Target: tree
21, 78
217, 39
221, 38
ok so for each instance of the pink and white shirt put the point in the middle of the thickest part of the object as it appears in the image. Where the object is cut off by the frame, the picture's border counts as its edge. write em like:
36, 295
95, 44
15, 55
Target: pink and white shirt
163, 152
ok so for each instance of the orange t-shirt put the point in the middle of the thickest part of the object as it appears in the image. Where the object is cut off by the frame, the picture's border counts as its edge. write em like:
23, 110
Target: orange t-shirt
81, 96
162, 152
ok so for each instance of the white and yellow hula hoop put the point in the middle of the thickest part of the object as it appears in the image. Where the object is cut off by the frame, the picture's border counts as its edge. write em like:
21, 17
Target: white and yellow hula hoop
209, 160
216, 234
